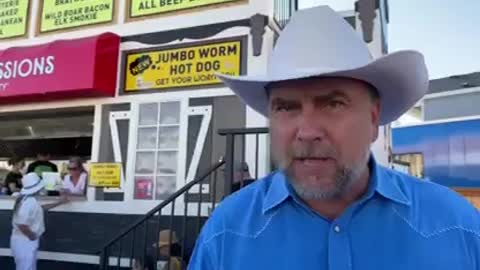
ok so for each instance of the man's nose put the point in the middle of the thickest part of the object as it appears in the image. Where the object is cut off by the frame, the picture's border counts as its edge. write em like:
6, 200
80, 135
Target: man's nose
310, 126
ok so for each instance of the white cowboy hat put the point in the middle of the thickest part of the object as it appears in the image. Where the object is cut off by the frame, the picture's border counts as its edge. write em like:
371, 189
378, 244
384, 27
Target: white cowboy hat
317, 42
32, 183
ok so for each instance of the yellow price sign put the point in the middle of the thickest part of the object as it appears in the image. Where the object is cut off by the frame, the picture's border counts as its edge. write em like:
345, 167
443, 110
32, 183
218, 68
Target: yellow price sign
149, 7
182, 66
63, 14
105, 174
13, 18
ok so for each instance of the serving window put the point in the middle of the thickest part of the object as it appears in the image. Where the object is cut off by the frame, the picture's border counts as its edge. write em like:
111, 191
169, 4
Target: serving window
56, 135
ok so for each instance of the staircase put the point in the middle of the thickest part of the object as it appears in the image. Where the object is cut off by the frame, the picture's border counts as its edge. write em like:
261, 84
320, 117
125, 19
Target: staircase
185, 211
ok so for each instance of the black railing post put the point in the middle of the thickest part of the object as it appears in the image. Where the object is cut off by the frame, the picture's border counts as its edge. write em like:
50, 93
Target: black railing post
199, 212
185, 220
132, 248
242, 160
257, 147
229, 160
214, 191
172, 216
119, 262
104, 258
145, 239
159, 228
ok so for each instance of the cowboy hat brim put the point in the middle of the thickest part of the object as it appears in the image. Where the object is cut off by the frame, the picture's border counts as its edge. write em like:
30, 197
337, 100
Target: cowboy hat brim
401, 79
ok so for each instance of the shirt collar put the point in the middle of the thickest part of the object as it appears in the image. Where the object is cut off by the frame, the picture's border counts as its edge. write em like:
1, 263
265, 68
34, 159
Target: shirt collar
386, 184
381, 181
278, 192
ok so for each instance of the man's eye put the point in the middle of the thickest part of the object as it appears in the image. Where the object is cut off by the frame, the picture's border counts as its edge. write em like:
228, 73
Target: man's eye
281, 107
336, 104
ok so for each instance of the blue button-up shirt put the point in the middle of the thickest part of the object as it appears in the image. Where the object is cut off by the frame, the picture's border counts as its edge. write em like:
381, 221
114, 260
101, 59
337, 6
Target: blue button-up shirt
400, 223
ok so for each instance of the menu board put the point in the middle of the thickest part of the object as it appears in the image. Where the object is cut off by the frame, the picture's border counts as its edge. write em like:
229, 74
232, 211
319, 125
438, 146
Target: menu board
105, 174
182, 66
140, 8
13, 18
65, 14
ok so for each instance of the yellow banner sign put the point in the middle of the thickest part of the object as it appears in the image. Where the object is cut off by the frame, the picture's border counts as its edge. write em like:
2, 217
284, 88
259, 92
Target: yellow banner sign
148, 7
63, 14
105, 174
13, 18
182, 67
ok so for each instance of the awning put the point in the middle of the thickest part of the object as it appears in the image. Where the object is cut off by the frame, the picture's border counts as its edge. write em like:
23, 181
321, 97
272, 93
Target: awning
62, 69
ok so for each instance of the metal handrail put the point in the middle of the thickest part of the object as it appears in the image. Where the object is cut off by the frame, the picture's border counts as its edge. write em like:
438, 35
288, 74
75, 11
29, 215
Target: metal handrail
163, 204
242, 131
230, 135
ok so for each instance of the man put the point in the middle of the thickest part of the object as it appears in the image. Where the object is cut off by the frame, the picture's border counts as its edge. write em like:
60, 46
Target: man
42, 164
241, 176
331, 206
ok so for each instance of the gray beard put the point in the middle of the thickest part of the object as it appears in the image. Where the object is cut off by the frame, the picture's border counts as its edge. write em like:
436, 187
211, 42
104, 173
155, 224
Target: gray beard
343, 178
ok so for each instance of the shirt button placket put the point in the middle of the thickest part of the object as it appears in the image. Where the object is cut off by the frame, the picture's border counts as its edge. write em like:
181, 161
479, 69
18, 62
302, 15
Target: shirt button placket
339, 257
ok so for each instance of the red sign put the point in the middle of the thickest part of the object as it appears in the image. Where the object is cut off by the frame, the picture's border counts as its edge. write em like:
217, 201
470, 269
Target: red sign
143, 188
85, 67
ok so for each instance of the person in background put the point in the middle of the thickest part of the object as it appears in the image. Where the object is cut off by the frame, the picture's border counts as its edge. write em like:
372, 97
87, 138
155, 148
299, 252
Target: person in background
241, 177
169, 250
13, 180
3, 188
75, 181
42, 164
28, 223
3, 175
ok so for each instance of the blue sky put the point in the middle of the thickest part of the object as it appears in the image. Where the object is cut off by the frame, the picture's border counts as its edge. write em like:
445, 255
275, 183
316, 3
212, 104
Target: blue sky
447, 32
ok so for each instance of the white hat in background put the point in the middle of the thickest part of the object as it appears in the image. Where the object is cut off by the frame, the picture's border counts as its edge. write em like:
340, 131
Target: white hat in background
32, 184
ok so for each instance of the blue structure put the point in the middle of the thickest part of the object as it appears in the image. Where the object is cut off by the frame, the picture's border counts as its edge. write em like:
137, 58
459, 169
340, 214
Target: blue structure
450, 150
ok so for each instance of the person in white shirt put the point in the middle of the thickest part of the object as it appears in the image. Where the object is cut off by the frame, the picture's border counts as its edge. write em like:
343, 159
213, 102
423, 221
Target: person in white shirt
28, 223
75, 181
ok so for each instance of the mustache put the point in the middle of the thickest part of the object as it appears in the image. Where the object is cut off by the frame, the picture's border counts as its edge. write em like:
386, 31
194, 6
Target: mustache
303, 150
